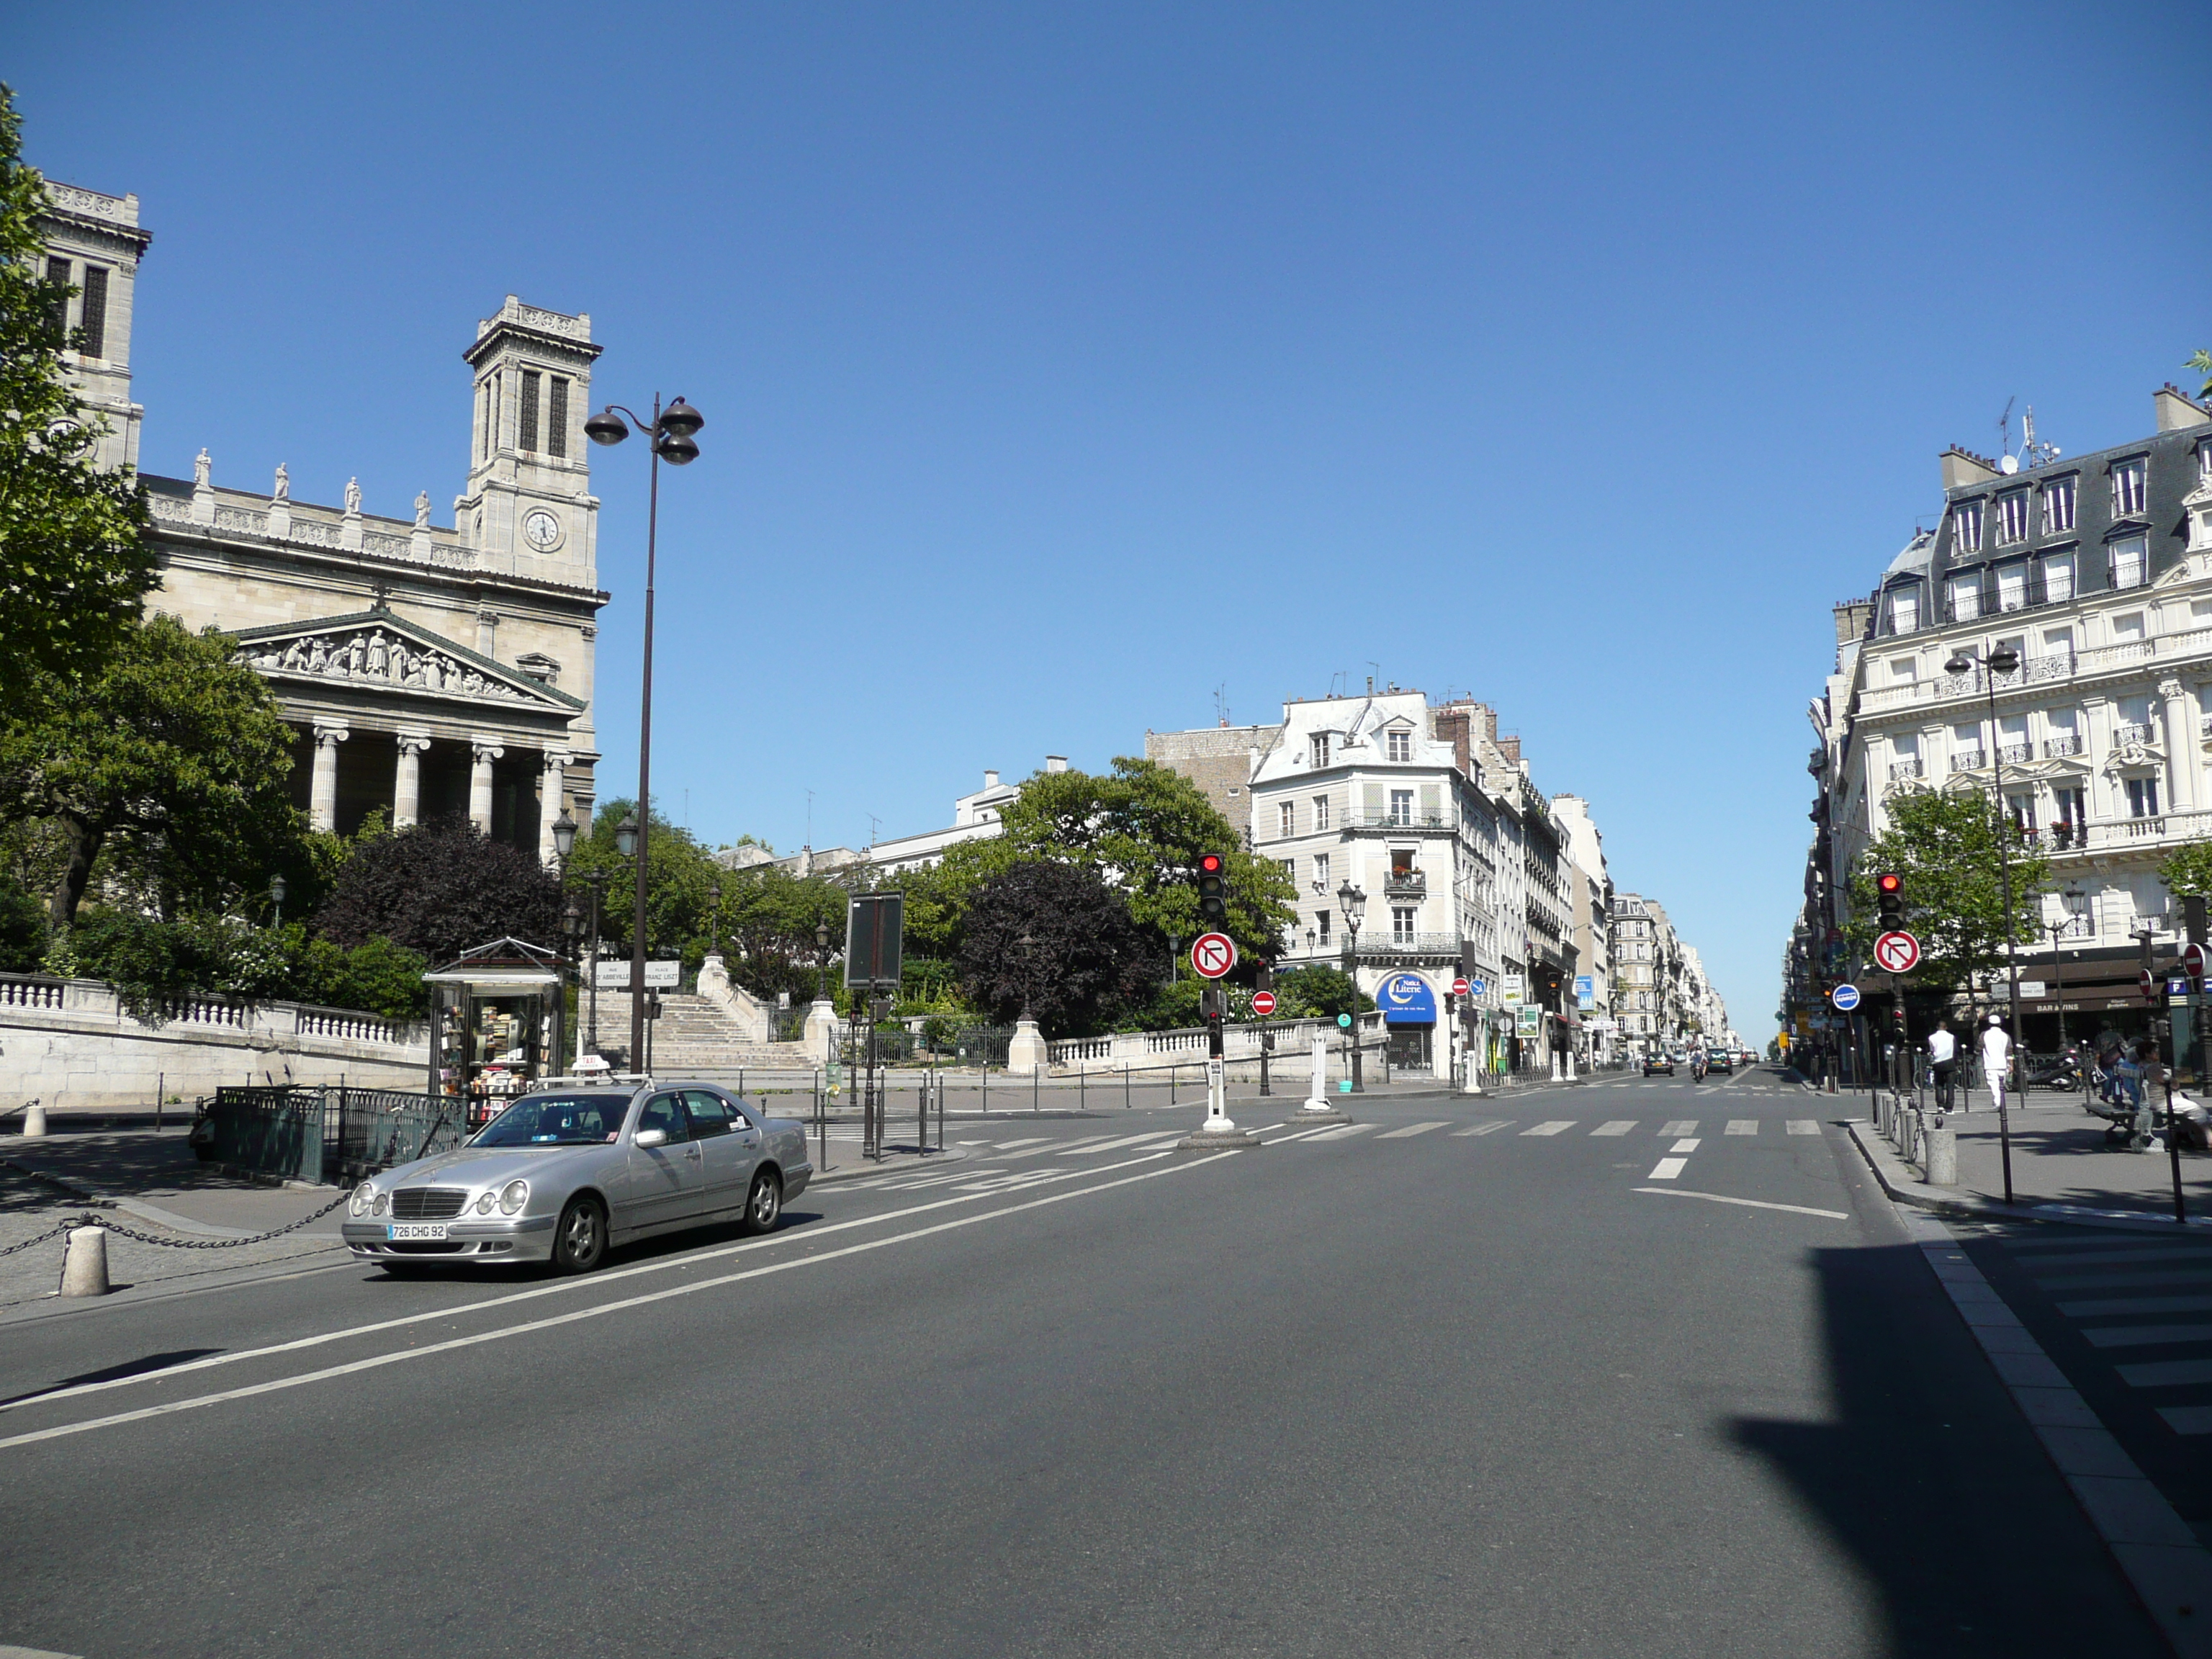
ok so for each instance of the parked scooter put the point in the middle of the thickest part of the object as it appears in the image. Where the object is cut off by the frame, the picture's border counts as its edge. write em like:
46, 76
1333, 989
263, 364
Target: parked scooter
2062, 1072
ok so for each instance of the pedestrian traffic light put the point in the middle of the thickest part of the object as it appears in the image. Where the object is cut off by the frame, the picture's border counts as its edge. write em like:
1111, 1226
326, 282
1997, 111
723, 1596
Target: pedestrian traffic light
1889, 897
1212, 890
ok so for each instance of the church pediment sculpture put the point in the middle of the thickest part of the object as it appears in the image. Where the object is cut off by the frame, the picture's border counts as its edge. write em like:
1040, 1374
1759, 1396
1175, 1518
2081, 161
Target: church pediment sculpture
383, 653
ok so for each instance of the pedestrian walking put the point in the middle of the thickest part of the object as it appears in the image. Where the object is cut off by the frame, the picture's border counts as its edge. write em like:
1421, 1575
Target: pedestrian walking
1996, 1059
1943, 1057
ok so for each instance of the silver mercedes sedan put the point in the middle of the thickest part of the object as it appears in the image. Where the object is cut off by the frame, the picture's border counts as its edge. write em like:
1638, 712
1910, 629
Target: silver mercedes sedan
566, 1173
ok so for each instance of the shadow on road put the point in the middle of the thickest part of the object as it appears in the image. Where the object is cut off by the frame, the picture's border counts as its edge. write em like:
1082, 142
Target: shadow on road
152, 1362
1932, 1481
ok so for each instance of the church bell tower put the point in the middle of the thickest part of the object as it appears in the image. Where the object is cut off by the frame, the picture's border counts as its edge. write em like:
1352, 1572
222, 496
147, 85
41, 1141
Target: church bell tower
529, 508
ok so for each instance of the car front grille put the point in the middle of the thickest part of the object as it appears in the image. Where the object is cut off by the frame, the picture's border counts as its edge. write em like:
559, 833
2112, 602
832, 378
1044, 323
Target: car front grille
427, 1203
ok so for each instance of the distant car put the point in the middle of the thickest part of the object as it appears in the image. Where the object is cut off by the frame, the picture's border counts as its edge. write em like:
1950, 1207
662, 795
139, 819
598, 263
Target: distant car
1654, 1064
1718, 1059
566, 1172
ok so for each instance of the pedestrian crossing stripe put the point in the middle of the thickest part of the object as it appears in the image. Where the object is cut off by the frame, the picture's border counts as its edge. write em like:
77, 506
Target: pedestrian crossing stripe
1550, 1129
1668, 1168
1490, 1128
1803, 1126
1411, 1129
1681, 1125
1618, 1126
1743, 1126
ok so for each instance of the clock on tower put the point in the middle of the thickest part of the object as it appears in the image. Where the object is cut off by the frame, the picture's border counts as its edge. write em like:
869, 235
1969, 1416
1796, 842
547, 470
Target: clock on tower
529, 508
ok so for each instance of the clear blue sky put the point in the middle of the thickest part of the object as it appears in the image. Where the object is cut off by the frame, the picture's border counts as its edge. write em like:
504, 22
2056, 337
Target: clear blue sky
1063, 363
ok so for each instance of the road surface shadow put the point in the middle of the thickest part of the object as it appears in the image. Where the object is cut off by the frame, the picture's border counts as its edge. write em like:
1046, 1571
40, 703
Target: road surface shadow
1932, 1480
152, 1362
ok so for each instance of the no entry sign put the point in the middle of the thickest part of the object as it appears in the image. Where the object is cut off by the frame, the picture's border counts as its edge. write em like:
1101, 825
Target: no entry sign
1898, 953
1213, 955
1263, 1003
1459, 987
2192, 960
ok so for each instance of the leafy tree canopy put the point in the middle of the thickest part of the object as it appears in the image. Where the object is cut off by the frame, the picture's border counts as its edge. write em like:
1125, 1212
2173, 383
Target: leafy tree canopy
74, 563
150, 963
441, 888
1057, 936
2188, 870
165, 767
1944, 844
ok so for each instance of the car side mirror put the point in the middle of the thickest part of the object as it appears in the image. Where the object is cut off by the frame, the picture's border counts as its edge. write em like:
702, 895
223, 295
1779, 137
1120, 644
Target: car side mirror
649, 1138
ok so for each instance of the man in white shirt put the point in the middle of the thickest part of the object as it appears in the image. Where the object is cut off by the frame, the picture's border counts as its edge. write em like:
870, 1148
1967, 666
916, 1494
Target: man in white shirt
1943, 1055
1996, 1059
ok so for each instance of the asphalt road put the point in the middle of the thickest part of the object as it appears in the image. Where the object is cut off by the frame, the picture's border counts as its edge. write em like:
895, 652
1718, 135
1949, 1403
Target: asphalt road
1459, 1389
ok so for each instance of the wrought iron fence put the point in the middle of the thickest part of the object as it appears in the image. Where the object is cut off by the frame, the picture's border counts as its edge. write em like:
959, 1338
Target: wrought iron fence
327, 1133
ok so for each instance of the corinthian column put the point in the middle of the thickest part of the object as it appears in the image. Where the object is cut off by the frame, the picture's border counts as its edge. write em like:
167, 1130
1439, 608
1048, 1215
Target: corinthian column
407, 785
2182, 746
484, 751
323, 800
550, 789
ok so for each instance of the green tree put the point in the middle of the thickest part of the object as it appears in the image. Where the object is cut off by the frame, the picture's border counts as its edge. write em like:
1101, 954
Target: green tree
2188, 870
1944, 844
1058, 937
2201, 362
164, 768
73, 563
441, 888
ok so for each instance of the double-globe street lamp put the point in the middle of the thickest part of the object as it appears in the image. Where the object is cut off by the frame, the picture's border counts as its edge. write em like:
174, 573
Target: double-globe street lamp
2002, 661
670, 432
1352, 901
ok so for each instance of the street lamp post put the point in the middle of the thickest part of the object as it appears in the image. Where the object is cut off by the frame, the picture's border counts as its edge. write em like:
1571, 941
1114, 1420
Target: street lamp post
714, 900
277, 898
596, 883
2003, 660
1352, 901
671, 431
2058, 964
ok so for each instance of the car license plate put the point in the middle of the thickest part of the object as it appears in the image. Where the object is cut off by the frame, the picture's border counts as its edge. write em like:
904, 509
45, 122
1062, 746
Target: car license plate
399, 1230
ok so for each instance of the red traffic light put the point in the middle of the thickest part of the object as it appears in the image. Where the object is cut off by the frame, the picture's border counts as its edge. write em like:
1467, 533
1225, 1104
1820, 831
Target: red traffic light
1209, 864
1888, 882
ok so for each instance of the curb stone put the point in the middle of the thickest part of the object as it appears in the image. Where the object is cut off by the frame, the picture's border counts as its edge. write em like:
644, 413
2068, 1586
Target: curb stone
1903, 1187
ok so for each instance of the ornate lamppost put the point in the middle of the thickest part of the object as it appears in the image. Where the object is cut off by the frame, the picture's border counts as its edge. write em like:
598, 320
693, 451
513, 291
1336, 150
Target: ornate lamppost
2003, 660
670, 432
1352, 901
277, 899
715, 900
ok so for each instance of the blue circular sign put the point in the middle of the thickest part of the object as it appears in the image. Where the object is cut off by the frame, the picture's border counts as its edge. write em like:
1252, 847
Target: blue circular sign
1845, 997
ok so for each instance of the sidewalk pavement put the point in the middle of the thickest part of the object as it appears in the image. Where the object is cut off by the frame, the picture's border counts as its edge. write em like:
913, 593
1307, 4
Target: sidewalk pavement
2062, 1166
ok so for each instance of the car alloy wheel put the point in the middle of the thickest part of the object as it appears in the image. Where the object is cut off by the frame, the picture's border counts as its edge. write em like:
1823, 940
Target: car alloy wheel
580, 1238
764, 1205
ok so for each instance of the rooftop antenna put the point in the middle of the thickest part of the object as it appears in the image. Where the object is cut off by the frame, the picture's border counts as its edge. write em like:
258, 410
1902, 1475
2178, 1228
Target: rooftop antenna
875, 824
809, 818
2031, 452
1221, 703
1374, 668
2004, 431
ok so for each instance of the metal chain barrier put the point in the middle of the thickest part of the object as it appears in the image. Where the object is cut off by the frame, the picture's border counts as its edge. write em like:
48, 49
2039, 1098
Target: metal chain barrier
148, 1238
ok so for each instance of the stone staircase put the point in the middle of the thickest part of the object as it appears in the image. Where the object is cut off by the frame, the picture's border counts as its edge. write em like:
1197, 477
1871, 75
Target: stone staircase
693, 1035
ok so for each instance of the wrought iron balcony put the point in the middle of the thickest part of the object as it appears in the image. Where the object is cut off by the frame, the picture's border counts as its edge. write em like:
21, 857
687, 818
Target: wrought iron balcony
2068, 744
1907, 767
1969, 760
1410, 883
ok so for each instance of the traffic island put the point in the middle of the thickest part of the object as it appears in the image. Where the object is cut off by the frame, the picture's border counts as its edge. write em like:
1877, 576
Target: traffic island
1230, 1139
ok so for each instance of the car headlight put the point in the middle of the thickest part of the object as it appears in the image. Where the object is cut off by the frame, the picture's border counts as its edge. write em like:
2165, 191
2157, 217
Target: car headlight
361, 1194
513, 1196
383, 1203
484, 1203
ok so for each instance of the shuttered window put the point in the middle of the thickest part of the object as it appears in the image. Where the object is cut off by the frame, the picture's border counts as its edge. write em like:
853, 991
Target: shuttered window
94, 311
528, 440
557, 417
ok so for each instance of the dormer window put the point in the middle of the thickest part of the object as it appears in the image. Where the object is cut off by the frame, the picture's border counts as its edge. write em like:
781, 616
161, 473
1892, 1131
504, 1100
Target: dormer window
2012, 517
2128, 490
1903, 610
1317, 749
2058, 506
1400, 746
1966, 527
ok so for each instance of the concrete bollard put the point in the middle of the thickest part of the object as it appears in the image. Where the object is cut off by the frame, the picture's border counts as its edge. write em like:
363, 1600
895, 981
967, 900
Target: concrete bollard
1943, 1159
1908, 1141
84, 1269
34, 1119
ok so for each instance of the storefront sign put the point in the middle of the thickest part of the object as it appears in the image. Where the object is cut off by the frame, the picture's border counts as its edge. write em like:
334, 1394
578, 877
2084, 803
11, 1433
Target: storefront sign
1407, 1000
1512, 983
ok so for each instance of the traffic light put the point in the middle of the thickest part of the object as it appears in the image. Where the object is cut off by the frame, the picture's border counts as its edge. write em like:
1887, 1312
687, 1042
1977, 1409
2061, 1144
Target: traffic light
1212, 891
1889, 897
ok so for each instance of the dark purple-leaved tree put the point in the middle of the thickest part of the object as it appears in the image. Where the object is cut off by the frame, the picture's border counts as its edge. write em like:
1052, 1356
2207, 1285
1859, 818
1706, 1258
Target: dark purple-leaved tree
1059, 936
441, 888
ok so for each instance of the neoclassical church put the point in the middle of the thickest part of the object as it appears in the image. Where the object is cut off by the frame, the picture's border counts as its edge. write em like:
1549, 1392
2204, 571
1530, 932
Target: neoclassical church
425, 670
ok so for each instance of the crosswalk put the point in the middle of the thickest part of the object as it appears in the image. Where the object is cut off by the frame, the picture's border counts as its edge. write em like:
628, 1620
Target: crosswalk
2141, 1303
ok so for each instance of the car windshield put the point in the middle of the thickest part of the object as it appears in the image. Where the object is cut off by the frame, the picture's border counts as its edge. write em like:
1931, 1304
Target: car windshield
556, 1121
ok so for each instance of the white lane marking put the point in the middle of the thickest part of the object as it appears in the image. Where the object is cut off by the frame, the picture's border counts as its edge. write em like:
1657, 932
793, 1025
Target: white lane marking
1619, 1126
1665, 1170
1748, 1203
1688, 1146
1743, 1126
1550, 1129
1803, 1126
577, 1315
1681, 1125
1410, 1130
1057, 1146
1483, 1129
1708, 1089
562, 1287
1343, 1132
1008, 1146
1124, 1141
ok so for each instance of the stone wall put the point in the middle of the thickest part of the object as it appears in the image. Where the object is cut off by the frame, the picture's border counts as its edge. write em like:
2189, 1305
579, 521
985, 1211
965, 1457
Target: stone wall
69, 1044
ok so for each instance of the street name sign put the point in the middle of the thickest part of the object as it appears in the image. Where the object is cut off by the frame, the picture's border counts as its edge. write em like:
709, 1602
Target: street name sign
1263, 1003
1845, 997
1898, 953
1212, 955
613, 975
2031, 989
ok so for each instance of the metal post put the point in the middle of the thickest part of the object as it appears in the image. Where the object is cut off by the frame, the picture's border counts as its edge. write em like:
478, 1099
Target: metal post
1125, 1085
2172, 1143
1036, 1083
160, 1078
1082, 1087
645, 747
